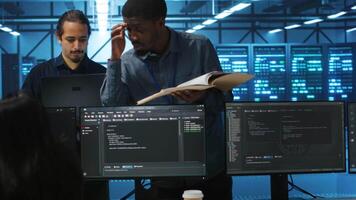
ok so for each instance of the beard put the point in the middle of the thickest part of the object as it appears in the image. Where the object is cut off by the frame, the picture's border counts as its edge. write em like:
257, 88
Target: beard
77, 56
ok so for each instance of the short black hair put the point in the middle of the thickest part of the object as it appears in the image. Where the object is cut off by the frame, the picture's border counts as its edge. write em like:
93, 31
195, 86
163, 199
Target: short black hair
146, 9
72, 16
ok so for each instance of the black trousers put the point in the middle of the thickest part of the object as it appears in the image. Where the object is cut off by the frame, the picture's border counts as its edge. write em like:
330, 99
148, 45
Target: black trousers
218, 187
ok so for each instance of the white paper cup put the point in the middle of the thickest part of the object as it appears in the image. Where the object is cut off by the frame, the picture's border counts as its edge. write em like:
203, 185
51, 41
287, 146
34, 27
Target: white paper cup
193, 195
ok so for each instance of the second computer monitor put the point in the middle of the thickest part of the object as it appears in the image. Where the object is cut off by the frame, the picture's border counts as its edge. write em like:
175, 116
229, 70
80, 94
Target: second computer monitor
285, 137
351, 110
143, 141
63, 126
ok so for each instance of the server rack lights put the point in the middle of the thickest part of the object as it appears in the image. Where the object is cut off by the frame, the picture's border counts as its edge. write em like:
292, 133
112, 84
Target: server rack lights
292, 72
26, 65
341, 74
235, 59
306, 73
269, 67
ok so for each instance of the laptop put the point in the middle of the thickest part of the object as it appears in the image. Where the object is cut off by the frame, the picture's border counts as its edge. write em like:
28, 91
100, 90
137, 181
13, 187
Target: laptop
72, 91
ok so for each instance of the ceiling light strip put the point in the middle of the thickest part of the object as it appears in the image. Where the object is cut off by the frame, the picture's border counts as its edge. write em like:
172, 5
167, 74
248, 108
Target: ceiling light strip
219, 16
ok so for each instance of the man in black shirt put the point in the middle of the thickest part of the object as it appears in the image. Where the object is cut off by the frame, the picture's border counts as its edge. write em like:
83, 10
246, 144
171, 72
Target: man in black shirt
73, 31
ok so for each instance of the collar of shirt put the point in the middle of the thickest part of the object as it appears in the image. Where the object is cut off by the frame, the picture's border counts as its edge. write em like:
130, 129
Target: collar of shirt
173, 47
61, 65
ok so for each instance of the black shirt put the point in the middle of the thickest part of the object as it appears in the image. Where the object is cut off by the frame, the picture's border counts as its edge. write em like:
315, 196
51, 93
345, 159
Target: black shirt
57, 67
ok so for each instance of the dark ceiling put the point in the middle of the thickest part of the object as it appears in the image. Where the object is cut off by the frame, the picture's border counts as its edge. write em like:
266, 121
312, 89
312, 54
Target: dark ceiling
188, 10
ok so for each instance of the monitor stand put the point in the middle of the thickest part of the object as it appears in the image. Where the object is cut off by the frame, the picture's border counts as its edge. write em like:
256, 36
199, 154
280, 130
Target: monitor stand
279, 186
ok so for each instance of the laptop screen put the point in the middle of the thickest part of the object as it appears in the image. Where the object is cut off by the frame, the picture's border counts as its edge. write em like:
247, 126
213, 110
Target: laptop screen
72, 91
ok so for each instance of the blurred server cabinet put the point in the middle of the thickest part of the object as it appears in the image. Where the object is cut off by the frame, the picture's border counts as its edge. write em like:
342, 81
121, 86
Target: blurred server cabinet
10, 73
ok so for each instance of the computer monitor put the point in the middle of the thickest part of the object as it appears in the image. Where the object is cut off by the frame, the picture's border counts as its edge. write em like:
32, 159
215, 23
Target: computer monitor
143, 141
284, 137
62, 123
71, 91
351, 110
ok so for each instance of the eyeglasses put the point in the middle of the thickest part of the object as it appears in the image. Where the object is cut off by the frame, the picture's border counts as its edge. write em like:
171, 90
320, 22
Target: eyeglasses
126, 33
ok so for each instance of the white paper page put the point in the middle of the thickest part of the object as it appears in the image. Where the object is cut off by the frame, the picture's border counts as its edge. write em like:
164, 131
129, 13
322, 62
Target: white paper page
200, 80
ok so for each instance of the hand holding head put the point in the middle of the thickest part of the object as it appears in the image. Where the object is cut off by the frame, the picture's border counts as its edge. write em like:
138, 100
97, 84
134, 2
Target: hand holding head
118, 41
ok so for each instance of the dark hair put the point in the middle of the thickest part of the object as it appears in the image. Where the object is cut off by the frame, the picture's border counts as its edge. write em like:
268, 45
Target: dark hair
146, 9
32, 164
72, 16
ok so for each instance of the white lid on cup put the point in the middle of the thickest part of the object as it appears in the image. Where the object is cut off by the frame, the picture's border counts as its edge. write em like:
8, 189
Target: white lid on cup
193, 194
